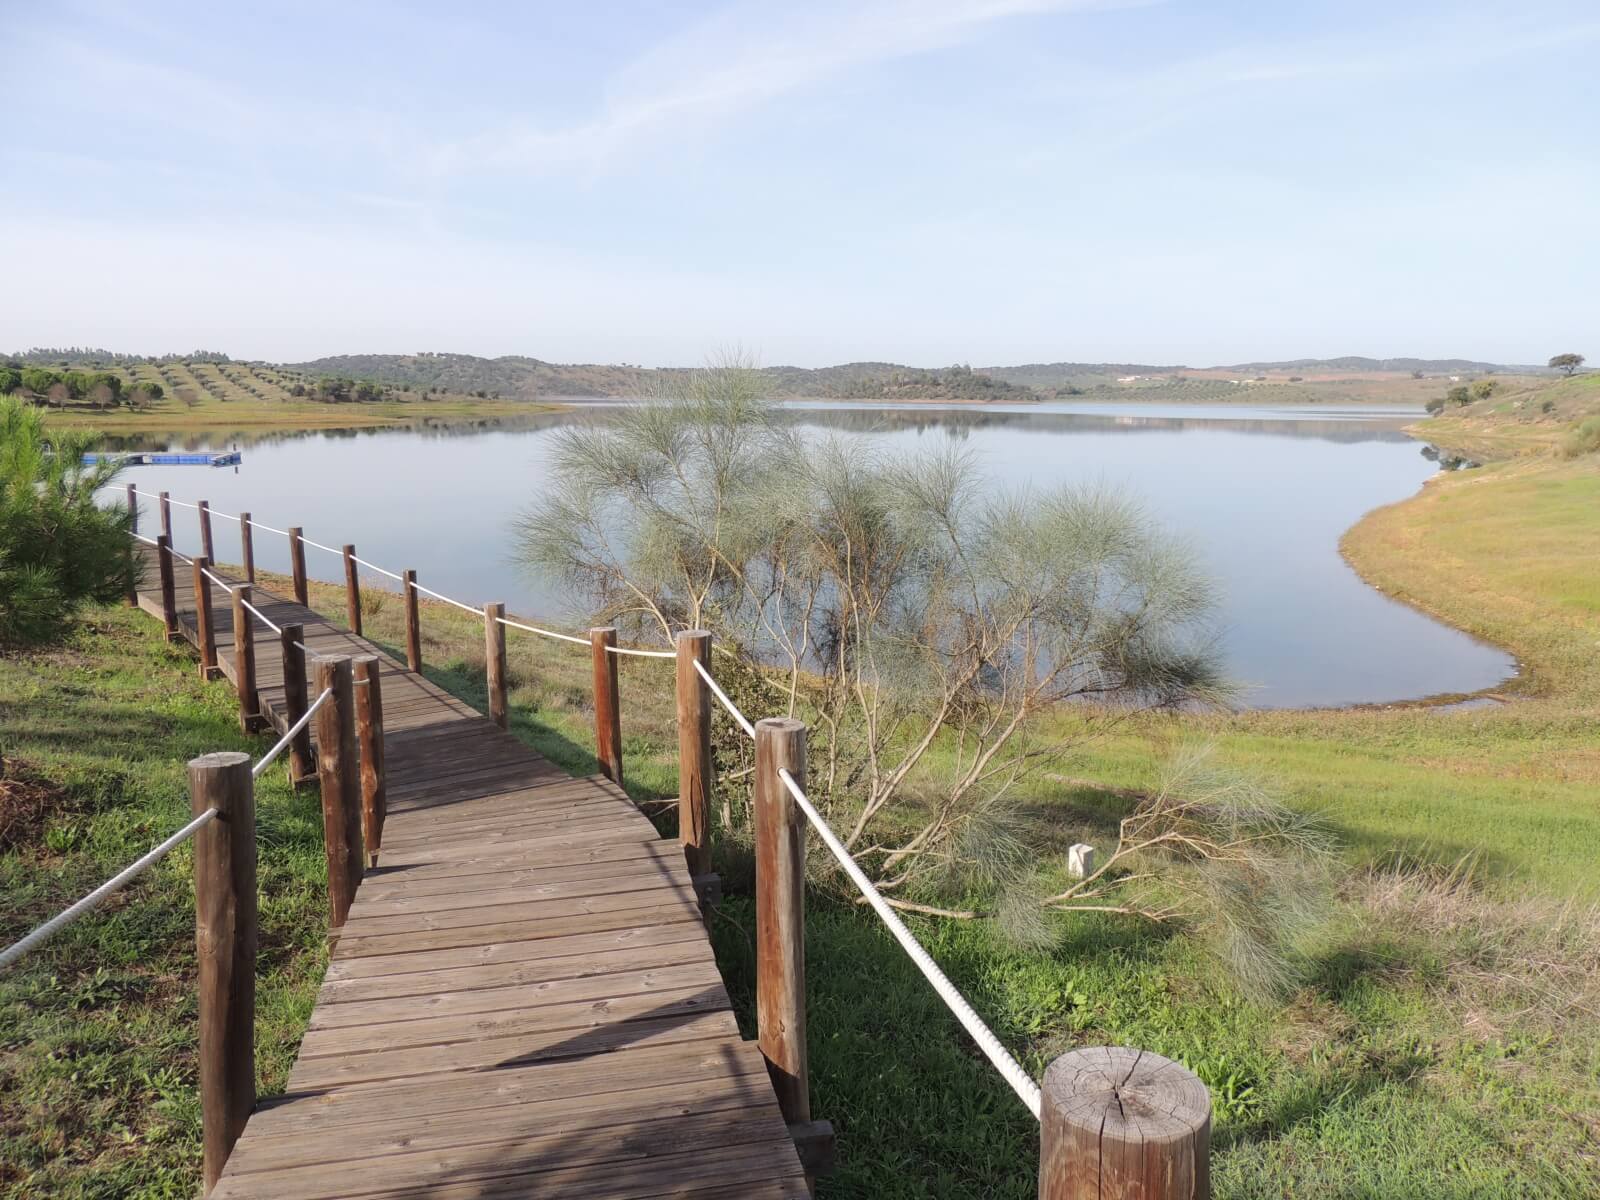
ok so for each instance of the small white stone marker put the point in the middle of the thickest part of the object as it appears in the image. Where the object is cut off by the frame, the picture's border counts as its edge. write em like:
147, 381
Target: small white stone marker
1080, 861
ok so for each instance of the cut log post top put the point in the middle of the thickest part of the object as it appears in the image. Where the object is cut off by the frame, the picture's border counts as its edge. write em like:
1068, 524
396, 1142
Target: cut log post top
1121, 1122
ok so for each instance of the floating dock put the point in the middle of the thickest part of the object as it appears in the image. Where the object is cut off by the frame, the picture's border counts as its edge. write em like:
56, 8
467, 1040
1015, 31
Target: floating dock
230, 458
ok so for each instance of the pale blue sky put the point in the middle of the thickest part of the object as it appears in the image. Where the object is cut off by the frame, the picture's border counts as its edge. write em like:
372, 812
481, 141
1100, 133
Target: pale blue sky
934, 181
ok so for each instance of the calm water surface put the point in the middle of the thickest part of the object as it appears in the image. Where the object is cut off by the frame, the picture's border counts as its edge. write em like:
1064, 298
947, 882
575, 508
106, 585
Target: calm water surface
1262, 494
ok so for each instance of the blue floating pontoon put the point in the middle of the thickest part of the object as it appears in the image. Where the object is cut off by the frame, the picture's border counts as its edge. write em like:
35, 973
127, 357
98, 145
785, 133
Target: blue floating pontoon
229, 459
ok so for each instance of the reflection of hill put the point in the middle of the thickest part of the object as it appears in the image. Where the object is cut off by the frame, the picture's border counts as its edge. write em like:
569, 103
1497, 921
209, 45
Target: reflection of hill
955, 423
959, 423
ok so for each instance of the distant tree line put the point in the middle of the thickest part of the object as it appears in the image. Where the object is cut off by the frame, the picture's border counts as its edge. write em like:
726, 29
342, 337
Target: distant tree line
89, 356
103, 388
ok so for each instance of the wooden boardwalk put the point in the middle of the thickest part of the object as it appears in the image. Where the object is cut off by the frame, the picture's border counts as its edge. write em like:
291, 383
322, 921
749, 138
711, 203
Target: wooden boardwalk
523, 1000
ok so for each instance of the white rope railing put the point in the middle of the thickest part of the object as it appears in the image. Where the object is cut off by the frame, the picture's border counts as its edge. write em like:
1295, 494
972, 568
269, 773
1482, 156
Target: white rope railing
637, 653
733, 709
549, 633
477, 612
377, 568
1010, 1069
118, 881
221, 583
263, 618
266, 759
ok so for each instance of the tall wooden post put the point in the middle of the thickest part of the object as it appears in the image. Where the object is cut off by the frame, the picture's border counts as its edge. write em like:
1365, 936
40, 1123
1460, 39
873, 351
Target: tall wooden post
301, 764
352, 591
247, 547
413, 622
297, 565
1120, 1122
607, 710
781, 914
339, 770
206, 546
369, 734
244, 660
169, 587
132, 563
166, 515
226, 937
494, 657
694, 751
204, 620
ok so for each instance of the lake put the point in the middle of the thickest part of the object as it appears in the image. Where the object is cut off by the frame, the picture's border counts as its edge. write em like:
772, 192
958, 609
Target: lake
1263, 494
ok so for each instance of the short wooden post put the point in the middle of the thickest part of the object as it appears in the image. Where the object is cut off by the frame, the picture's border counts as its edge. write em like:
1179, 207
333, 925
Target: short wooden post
339, 771
204, 620
413, 622
297, 565
244, 660
166, 515
247, 547
301, 764
694, 751
226, 936
607, 710
369, 734
780, 837
352, 591
206, 546
133, 508
494, 657
169, 587
1120, 1122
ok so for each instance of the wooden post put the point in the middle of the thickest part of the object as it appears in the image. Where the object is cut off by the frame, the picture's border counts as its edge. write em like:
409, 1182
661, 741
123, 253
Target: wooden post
244, 660
339, 770
694, 751
226, 937
204, 621
206, 546
166, 515
297, 565
494, 657
607, 711
1120, 1122
781, 914
369, 733
247, 547
301, 764
352, 591
413, 622
132, 560
169, 598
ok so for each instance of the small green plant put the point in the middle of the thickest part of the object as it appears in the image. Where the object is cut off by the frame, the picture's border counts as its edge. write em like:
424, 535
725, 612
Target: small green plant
1584, 438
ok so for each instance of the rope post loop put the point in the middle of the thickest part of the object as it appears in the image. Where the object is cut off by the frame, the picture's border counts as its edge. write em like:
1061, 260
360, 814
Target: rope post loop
302, 767
369, 733
339, 770
226, 937
494, 658
607, 709
1121, 1122
244, 660
695, 770
413, 622
205, 623
247, 547
203, 509
297, 566
169, 587
780, 834
166, 516
352, 591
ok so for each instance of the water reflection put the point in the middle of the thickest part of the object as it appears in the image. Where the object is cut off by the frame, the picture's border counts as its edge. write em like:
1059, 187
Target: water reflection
1262, 494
